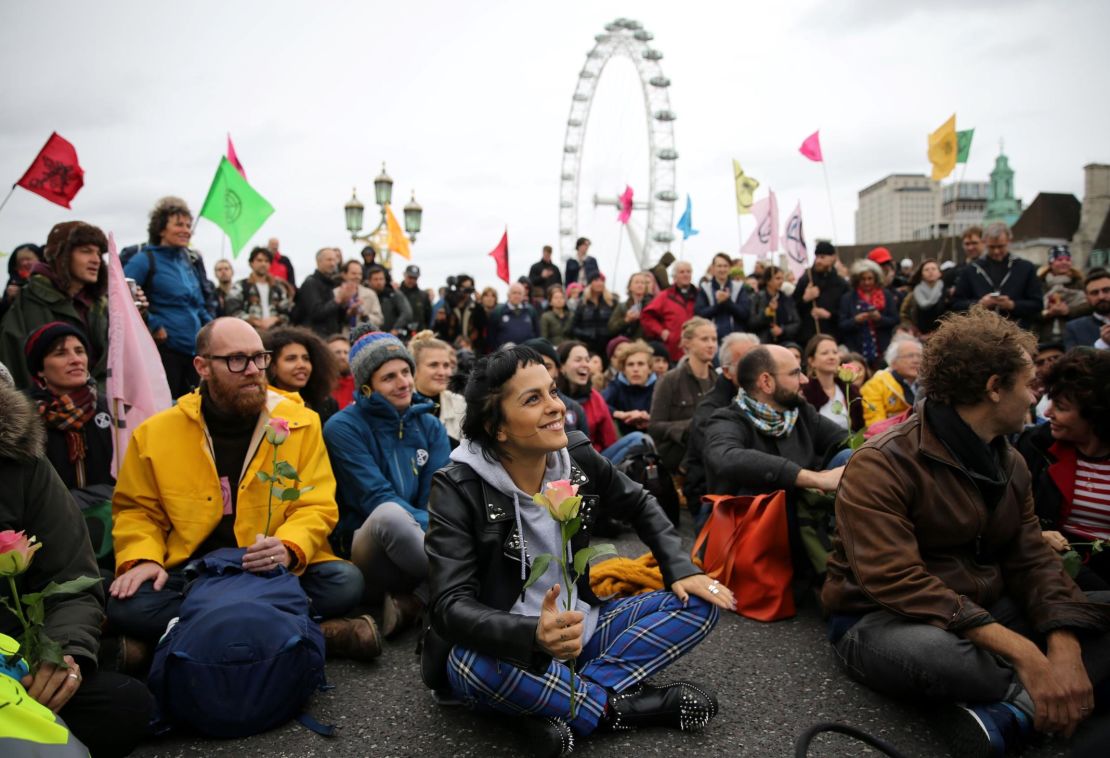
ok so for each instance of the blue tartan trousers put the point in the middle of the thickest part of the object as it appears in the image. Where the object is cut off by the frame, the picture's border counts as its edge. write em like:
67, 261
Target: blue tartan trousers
635, 637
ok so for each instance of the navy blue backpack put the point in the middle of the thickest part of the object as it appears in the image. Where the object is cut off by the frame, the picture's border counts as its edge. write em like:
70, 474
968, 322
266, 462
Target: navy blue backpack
244, 655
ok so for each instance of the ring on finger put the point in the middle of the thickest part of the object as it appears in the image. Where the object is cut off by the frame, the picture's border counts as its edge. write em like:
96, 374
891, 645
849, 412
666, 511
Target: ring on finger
74, 677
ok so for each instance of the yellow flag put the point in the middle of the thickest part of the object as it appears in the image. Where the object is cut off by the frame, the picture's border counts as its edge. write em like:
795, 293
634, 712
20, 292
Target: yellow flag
943, 149
398, 242
745, 188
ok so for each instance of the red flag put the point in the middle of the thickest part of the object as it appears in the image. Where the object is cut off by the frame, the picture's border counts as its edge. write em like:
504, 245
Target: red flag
501, 255
626, 205
234, 159
811, 148
55, 173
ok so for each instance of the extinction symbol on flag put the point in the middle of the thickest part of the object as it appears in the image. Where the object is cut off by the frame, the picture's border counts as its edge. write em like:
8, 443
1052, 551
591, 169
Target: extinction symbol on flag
56, 178
794, 234
233, 206
765, 229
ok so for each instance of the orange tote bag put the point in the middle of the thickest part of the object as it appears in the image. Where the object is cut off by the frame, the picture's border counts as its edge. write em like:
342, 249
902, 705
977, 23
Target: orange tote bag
747, 549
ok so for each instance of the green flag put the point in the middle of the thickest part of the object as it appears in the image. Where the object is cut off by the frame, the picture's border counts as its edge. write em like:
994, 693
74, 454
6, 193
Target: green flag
235, 206
963, 144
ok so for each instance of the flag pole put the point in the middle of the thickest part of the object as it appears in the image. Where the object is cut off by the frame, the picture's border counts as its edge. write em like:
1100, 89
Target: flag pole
617, 262
828, 194
8, 196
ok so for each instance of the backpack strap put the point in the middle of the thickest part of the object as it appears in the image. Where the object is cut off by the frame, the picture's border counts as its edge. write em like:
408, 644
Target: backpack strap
801, 747
324, 730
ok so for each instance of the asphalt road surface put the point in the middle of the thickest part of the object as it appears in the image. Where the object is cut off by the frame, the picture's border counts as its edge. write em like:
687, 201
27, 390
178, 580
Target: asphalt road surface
773, 682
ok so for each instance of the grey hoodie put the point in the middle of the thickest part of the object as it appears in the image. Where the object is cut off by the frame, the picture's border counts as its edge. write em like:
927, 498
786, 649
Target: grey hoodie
539, 531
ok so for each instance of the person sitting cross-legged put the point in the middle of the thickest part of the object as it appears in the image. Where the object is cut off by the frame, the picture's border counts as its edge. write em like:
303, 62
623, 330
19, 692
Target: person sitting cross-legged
385, 448
188, 486
769, 438
500, 646
940, 585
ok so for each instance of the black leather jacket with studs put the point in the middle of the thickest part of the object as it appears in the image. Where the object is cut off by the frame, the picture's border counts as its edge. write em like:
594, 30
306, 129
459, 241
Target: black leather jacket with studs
474, 557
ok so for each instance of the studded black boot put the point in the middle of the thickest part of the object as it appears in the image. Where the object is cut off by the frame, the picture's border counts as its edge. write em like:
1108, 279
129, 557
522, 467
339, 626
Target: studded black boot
543, 737
678, 705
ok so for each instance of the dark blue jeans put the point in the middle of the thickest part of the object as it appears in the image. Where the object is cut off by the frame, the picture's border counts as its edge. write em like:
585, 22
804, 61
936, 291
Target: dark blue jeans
333, 589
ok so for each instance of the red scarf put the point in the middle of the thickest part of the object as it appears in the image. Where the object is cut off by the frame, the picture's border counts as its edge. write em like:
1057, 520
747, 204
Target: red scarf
875, 298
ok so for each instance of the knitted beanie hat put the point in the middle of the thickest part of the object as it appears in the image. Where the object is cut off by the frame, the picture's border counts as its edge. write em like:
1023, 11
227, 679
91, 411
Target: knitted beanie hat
43, 338
370, 350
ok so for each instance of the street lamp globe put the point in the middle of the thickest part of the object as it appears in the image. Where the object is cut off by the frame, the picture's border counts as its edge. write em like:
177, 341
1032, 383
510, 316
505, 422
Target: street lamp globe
353, 210
414, 213
383, 188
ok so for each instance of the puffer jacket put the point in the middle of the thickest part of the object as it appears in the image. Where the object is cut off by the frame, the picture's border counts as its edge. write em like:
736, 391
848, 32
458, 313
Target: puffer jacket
39, 303
474, 557
34, 500
383, 456
916, 538
168, 500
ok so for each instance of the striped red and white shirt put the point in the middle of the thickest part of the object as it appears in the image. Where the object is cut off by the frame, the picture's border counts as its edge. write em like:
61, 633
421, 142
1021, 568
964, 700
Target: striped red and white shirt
1090, 504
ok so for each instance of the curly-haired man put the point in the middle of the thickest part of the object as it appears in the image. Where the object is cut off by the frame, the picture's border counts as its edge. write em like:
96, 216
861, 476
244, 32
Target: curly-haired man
940, 585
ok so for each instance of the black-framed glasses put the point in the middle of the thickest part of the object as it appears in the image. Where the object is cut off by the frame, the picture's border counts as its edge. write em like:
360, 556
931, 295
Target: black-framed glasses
237, 363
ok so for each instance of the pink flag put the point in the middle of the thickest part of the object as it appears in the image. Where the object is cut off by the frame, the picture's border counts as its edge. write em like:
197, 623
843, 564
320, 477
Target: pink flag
137, 387
233, 158
811, 148
765, 239
626, 205
794, 243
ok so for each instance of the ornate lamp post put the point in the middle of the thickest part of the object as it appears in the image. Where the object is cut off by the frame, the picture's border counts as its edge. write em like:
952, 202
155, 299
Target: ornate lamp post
354, 211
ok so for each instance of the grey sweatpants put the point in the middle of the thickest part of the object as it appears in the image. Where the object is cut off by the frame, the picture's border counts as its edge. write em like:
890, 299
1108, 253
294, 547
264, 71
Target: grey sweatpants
389, 550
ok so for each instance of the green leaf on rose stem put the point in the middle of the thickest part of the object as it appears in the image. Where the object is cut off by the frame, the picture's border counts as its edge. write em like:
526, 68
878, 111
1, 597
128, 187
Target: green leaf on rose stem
290, 494
50, 651
307, 488
856, 440
70, 587
572, 528
1072, 562
587, 554
282, 468
35, 612
264, 477
537, 569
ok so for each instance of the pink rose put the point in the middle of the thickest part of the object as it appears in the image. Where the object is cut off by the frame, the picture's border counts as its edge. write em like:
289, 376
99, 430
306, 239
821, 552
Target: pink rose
560, 499
277, 431
16, 550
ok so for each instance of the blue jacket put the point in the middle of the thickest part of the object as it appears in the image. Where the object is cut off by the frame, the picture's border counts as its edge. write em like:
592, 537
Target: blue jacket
513, 325
381, 456
176, 298
622, 396
731, 315
589, 263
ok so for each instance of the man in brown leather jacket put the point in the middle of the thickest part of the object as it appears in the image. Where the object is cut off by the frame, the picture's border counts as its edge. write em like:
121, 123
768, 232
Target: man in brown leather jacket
940, 585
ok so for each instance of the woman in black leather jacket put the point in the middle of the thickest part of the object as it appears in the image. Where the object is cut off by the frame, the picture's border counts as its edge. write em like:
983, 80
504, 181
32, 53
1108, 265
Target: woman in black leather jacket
489, 635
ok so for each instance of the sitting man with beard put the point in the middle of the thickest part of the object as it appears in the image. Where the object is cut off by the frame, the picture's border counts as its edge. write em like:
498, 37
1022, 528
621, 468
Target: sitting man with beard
188, 486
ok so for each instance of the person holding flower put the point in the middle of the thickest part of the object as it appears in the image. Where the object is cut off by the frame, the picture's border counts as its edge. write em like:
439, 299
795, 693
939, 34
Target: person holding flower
831, 387
189, 484
501, 637
108, 712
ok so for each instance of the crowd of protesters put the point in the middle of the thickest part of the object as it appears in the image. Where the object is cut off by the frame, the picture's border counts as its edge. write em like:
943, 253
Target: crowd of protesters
423, 418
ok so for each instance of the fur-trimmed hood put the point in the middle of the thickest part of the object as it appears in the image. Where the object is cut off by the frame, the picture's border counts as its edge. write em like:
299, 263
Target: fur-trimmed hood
22, 437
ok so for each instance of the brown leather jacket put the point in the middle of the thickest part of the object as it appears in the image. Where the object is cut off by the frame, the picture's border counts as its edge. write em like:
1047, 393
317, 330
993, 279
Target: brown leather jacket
916, 539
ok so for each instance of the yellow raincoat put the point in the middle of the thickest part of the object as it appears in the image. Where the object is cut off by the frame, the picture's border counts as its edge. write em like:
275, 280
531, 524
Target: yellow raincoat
168, 499
883, 397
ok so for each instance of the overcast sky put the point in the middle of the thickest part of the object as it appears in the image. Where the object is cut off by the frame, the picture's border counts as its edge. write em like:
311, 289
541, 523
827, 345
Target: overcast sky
467, 104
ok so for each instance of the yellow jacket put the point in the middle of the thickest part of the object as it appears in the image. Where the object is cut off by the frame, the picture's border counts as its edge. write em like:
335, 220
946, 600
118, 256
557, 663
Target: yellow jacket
168, 500
882, 397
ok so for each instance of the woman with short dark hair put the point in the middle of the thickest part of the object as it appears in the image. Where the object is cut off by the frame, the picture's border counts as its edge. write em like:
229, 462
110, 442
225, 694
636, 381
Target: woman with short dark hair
1069, 460
774, 317
502, 647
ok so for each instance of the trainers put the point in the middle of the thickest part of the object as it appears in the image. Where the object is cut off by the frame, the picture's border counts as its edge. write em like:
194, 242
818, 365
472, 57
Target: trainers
986, 730
544, 737
678, 705
399, 612
357, 638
